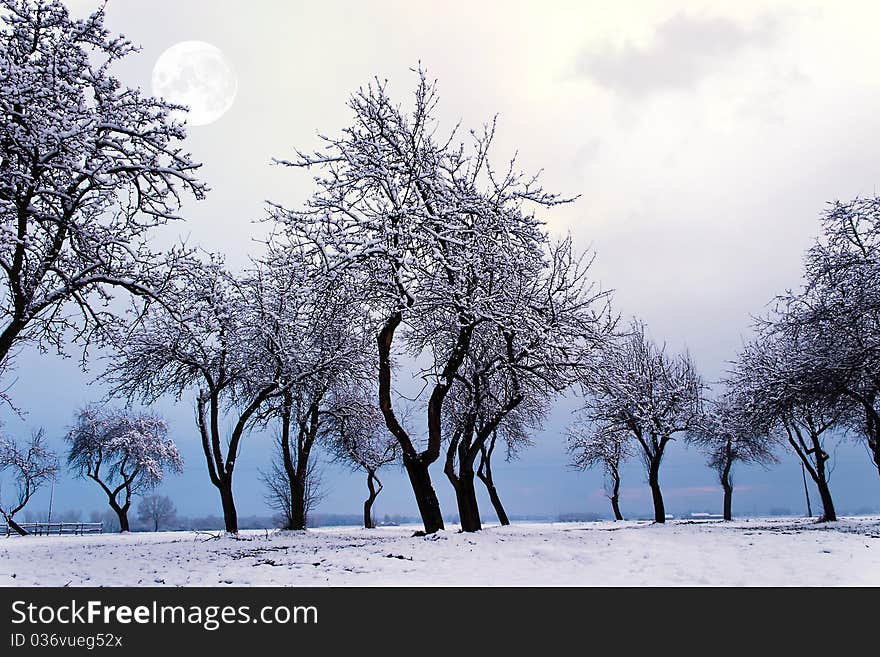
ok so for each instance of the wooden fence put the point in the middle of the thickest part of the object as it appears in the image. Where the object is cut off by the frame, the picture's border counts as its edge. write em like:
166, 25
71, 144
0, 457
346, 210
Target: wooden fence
59, 528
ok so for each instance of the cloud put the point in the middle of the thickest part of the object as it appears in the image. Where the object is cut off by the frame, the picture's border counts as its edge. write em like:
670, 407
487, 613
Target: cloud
684, 50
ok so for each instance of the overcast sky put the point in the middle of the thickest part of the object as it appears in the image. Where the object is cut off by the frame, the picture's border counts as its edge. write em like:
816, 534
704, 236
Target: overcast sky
702, 137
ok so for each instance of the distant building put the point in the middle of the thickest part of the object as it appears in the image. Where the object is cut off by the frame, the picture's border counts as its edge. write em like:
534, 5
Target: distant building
702, 515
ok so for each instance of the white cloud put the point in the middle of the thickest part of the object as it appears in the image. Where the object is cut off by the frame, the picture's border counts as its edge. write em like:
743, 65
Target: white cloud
684, 50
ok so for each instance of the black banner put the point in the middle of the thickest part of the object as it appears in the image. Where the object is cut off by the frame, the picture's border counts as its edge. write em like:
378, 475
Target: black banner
162, 621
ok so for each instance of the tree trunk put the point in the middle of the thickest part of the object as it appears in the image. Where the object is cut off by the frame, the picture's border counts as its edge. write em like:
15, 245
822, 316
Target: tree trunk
368, 503
220, 473
230, 515
828, 512
496, 503
466, 496
875, 452
368, 513
14, 526
463, 481
426, 497
728, 495
654, 483
416, 464
287, 461
728, 490
122, 514
615, 506
298, 500
615, 496
484, 472
297, 472
814, 458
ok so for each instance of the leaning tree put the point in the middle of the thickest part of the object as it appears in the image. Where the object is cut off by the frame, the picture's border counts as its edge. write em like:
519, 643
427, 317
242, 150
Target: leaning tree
608, 447
417, 215
773, 370
637, 387
124, 452
89, 169
31, 465
731, 432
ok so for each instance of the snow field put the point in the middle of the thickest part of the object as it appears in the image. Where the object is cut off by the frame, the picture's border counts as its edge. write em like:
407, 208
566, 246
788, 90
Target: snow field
754, 552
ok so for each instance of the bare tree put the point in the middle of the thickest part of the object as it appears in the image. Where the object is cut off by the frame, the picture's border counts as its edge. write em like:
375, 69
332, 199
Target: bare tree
332, 340
156, 510
733, 432
475, 414
123, 452
419, 218
251, 345
31, 465
636, 387
292, 491
360, 439
836, 313
293, 478
609, 447
772, 370
88, 170
557, 322
204, 336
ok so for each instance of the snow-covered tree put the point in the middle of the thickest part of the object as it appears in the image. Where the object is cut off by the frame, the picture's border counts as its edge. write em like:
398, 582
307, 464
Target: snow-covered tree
637, 387
609, 447
89, 169
836, 313
772, 374
31, 466
333, 341
123, 451
360, 439
156, 511
422, 219
733, 432
202, 339
556, 324
251, 347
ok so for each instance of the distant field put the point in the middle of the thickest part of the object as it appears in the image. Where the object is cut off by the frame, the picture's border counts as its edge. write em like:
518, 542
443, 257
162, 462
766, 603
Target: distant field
754, 552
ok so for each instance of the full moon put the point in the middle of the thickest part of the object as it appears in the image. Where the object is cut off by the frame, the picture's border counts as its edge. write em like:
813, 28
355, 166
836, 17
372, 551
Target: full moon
198, 75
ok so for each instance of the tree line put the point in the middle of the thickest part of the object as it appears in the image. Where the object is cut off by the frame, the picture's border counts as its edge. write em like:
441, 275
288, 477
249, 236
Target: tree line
415, 247
809, 377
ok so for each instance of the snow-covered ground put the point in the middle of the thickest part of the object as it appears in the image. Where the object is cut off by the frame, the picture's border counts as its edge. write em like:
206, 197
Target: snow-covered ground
766, 551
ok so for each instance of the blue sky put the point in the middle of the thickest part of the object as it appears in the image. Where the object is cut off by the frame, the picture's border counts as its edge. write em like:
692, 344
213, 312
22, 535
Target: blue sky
703, 137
